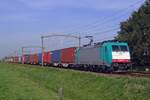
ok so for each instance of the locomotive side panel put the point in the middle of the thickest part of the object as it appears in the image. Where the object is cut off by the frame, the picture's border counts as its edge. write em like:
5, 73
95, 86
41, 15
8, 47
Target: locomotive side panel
88, 56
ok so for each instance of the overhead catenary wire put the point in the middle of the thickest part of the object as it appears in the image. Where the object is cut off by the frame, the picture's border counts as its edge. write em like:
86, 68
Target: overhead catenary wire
96, 24
106, 20
109, 30
103, 32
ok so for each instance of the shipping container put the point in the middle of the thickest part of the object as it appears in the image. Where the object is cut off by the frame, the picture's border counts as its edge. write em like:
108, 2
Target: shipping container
55, 56
9, 59
20, 59
13, 59
47, 58
68, 55
40, 58
34, 59
26, 59
16, 59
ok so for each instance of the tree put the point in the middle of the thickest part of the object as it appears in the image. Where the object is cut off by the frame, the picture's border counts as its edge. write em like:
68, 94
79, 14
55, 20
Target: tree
136, 31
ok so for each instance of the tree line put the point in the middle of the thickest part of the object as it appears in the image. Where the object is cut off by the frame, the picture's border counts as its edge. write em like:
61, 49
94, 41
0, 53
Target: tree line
136, 31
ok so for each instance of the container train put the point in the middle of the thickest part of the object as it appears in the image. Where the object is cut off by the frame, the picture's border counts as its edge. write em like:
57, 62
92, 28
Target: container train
105, 57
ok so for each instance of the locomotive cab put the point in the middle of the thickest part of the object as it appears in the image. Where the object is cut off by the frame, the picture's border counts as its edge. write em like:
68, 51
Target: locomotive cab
116, 55
121, 56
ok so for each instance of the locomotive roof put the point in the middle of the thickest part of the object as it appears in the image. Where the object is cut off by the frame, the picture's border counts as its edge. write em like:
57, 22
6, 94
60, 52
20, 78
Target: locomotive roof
104, 43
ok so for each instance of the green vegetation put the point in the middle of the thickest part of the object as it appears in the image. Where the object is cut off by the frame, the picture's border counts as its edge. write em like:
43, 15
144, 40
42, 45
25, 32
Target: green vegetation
141, 68
26, 82
136, 31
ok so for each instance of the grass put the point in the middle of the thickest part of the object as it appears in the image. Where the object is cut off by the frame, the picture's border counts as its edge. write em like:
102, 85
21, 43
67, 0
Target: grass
26, 82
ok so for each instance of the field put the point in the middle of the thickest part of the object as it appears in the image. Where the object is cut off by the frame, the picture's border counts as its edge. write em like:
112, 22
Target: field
26, 82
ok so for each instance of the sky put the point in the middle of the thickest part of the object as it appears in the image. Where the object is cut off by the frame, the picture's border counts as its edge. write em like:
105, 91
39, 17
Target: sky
22, 22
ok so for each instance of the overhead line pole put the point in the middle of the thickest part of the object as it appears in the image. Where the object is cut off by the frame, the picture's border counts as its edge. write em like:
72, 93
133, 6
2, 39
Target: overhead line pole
48, 36
31, 46
42, 40
22, 55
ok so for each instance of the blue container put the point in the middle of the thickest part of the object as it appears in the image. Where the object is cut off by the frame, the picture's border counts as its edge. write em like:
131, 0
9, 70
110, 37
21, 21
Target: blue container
55, 56
40, 58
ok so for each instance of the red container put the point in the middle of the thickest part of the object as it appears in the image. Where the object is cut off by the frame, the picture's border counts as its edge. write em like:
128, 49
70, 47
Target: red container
26, 59
47, 58
68, 55
34, 59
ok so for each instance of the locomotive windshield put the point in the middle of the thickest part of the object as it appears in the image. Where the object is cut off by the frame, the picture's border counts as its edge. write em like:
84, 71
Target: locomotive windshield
123, 48
119, 48
115, 48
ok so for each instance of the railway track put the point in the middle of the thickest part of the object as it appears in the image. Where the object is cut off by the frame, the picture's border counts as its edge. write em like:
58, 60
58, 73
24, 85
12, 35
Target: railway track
134, 74
140, 74
119, 73
124, 73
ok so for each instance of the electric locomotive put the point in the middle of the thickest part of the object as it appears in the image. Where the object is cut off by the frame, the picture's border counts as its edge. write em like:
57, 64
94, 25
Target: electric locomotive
107, 56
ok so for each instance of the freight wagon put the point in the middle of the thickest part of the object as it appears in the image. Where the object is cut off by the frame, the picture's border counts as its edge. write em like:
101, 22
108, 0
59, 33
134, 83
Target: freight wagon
20, 59
68, 56
26, 59
40, 58
33, 59
46, 58
56, 57
9, 59
16, 59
